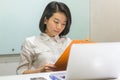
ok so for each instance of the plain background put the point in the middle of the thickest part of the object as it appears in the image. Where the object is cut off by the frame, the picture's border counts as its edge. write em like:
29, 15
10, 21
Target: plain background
105, 20
20, 19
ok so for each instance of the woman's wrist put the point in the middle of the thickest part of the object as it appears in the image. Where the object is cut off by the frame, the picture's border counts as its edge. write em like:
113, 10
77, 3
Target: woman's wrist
38, 70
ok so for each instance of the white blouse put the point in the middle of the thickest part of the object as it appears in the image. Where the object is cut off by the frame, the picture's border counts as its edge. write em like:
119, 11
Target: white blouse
40, 50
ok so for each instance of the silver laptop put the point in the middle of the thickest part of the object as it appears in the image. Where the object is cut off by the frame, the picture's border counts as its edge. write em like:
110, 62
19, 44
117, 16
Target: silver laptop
93, 61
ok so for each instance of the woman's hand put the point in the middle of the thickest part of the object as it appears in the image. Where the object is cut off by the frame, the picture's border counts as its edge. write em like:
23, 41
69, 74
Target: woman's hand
46, 68
49, 68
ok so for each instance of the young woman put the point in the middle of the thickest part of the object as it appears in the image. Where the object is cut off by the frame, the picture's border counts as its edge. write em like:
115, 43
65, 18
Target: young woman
39, 53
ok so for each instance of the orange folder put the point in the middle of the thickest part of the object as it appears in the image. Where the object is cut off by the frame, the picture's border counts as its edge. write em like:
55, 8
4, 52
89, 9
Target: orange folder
61, 63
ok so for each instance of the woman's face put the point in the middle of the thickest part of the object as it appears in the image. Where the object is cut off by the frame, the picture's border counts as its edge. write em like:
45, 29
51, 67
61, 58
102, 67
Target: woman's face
55, 24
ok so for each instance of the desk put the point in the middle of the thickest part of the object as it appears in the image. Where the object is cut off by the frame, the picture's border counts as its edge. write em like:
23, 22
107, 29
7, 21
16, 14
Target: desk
28, 76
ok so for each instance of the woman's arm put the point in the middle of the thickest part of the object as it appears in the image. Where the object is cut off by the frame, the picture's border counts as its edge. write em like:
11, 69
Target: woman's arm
38, 70
46, 68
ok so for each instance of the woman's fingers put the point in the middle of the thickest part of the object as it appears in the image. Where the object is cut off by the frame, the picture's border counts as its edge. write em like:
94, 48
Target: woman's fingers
49, 67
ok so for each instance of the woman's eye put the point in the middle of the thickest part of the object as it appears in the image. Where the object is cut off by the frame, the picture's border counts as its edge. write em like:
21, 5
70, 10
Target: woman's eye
56, 22
63, 24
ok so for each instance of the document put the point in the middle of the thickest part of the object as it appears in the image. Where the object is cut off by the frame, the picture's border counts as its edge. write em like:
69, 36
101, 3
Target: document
61, 63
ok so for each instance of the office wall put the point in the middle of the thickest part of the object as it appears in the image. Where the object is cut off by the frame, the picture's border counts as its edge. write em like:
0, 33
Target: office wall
20, 19
8, 68
8, 64
105, 20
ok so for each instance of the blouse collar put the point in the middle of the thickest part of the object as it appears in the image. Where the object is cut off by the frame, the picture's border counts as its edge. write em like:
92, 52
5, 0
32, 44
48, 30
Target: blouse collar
44, 36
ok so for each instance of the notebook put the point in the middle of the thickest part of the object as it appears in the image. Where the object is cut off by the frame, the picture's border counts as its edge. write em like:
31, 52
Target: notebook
93, 61
61, 63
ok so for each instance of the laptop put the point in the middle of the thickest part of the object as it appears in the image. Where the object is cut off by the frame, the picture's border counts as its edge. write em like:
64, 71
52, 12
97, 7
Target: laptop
93, 61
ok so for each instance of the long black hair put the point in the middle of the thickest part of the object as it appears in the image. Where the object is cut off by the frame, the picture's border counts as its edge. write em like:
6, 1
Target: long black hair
52, 8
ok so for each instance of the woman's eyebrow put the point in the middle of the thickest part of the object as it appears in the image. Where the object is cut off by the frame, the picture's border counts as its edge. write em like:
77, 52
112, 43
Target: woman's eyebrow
59, 20
56, 18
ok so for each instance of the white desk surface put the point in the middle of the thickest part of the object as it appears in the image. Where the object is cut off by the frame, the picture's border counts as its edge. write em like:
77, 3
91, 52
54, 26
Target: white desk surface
28, 76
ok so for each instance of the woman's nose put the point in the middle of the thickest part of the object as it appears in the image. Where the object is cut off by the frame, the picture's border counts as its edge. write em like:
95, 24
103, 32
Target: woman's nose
59, 26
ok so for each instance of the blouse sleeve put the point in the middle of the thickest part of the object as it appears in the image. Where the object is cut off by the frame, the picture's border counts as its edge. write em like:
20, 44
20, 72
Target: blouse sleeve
26, 57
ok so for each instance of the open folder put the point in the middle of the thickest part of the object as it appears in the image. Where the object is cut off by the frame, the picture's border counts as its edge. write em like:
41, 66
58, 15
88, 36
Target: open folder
61, 63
